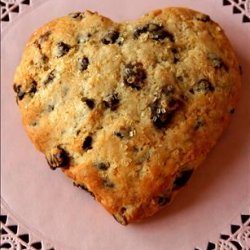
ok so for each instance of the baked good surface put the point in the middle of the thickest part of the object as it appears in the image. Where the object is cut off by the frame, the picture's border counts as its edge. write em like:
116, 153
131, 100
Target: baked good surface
128, 110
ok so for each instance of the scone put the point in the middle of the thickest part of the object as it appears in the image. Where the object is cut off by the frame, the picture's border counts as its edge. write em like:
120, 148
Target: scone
128, 110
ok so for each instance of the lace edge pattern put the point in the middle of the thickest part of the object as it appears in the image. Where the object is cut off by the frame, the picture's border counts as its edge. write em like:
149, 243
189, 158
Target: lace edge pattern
14, 235
10, 8
239, 7
237, 239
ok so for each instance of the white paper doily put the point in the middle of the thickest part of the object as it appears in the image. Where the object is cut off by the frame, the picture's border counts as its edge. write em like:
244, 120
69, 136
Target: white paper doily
41, 209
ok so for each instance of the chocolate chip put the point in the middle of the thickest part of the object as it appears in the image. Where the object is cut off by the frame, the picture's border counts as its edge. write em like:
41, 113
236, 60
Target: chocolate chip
15, 87
125, 133
156, 32
168, 89
241, 70
50, 77
217, 62
44, 59
139, 31
83, 38
120, 41
182, 178
198, 124
58, 158
102, 166
165, 105
232, 111
162, 34
134, 75
123, 210
161, 118
203, 18
174, 50
76, 15
119, 134
175, 55
175, 60
89, 102
203, 86
62, 49
83, 187
108, 184
44, 37
87, 143
37, 44
163, 110
50, 108
34, 124
180, 79
83, 63
121, 219
33, 88
110, 37
20, 93
112, 102
162, 200
173, 103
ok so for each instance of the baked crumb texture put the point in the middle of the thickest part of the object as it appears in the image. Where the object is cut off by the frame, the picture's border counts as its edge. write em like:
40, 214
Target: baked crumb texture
128, 110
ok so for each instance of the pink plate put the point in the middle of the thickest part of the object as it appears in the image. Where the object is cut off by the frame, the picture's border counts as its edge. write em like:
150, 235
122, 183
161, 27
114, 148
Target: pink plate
45, 203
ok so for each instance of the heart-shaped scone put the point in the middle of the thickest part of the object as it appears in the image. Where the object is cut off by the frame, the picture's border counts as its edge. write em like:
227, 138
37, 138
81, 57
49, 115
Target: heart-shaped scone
128, 110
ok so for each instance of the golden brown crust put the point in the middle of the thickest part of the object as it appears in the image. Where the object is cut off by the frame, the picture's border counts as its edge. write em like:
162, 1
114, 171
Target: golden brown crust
128, 110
